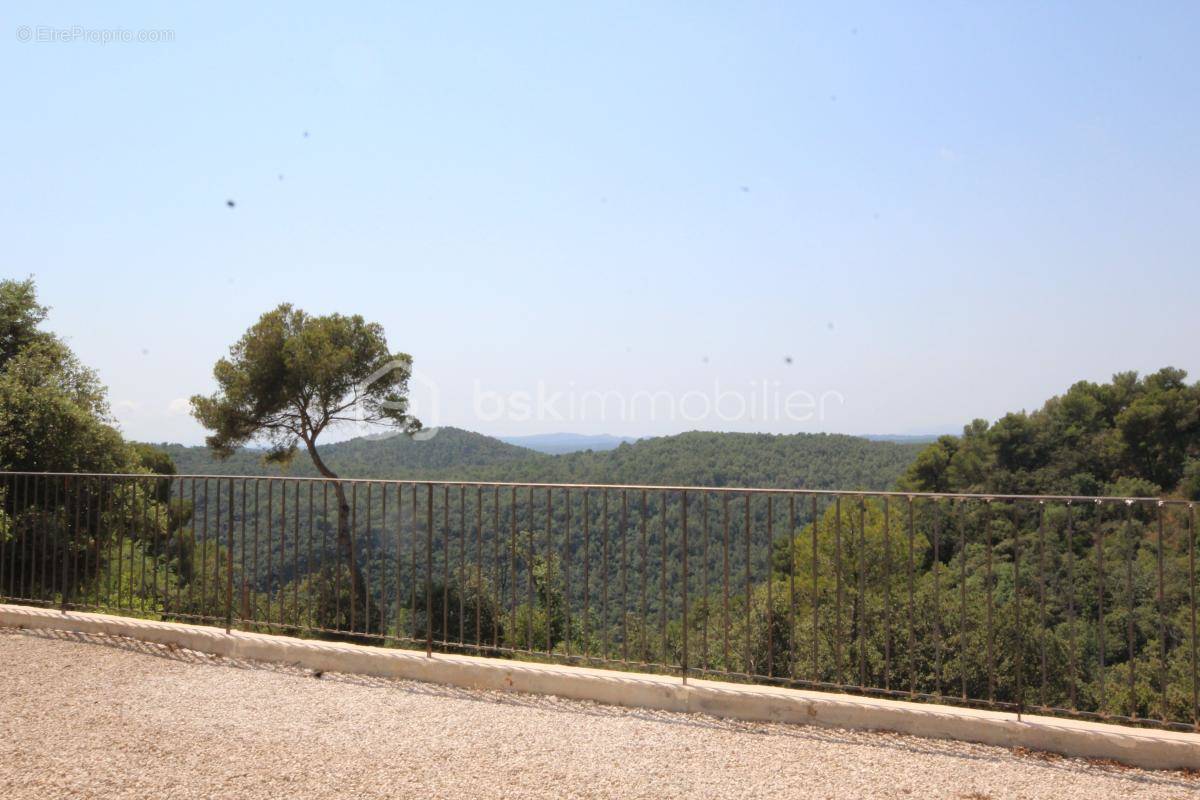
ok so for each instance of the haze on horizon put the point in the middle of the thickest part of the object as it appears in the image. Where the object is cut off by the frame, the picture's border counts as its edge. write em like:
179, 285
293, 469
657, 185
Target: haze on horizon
915, 217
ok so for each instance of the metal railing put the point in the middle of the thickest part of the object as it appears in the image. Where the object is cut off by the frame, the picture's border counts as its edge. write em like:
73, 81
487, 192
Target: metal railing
1080, 606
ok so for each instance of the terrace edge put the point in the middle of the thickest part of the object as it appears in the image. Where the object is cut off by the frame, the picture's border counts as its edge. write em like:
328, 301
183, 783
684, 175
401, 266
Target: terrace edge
1151, 749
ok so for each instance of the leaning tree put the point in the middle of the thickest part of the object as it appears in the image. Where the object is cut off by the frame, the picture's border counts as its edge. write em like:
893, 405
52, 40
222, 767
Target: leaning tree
293, 376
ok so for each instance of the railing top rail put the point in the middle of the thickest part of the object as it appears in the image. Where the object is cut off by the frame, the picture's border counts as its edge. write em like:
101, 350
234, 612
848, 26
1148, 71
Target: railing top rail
738, 490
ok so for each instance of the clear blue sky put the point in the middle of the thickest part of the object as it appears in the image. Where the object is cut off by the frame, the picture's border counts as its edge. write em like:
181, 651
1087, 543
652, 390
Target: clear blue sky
939, 212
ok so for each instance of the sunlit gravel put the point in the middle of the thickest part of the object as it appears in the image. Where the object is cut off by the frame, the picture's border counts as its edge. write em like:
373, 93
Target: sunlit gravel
95, 716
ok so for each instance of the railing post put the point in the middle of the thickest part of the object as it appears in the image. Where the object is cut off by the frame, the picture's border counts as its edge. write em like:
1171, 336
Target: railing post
66, 549
1017, 597
684, 654
228, 564
429, 570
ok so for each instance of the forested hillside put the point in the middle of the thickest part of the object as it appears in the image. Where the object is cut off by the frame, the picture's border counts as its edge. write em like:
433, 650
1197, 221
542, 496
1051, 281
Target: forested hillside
450, 451
826, 461
1132, 436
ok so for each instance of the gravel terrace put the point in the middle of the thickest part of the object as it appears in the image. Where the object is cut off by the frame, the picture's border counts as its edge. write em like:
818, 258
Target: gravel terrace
95, 716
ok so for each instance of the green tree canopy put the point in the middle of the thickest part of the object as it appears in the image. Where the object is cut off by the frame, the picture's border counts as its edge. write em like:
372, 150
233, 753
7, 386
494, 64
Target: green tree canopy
54, 413
291, 377
1135, 435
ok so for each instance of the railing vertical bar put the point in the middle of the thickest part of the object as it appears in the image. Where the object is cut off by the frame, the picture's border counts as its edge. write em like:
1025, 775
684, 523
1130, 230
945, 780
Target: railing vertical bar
838, 669
529, 587
50, 507
416, 532
7, 520
566, 561
549, 570
462, 563
309, 612
747, 537
496, 565
204, 551
143, 522
887, 593
962, 595
816, 597
69, 547
791, 551
91, 555
912, 611
75, 488
283, 520
1162, 621
399, 616
20, 490
1071, 667
512, 560
861, 601
179, 545
1192, 608
937, 597
991, 631
479, 569
119, 541
245, 596
296, 615
52, 558
664, 653
60, 545
103, 523
705, 584
606, 575
1017, 604
355, 571
1131, 546
446, 565
683, 504
152, 493
1100, 644
27, 534
218, 565
624, 526
106, 499
587, 571
644, 572
725, 582
269, 586
428, 570
1042, 602
257, 575
229, 564
770, 598
192, 555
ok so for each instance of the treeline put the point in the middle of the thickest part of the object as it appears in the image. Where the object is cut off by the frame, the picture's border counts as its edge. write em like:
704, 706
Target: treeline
819, 461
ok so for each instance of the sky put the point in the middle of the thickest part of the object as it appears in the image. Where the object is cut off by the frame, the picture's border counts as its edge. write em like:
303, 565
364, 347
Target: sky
628, 218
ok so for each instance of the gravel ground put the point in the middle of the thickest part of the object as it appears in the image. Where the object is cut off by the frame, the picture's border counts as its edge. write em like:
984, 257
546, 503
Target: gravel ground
94, 716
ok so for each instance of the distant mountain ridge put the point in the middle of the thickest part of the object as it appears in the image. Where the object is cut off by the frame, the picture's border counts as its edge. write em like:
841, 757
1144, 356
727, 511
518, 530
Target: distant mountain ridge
697, 458
559, 443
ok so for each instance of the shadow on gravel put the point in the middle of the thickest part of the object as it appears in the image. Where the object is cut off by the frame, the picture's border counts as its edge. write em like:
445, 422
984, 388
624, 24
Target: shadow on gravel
547, 703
